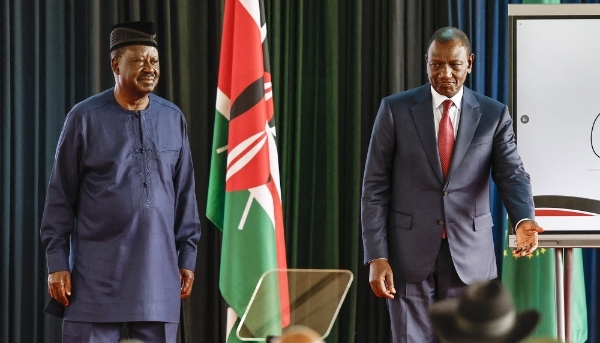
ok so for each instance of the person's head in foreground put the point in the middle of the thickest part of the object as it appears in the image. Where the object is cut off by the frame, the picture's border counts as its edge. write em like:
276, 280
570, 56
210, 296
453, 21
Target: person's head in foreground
484, 313
300, 334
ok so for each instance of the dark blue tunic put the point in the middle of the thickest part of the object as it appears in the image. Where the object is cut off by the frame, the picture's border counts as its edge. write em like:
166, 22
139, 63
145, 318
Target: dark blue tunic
121, 210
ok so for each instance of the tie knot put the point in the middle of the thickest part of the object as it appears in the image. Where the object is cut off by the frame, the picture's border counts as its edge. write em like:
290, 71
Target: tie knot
447, 104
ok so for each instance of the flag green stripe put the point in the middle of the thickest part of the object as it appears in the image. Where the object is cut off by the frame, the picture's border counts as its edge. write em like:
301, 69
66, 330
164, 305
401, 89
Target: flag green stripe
531, 281
579, 313
246, 254
218, 166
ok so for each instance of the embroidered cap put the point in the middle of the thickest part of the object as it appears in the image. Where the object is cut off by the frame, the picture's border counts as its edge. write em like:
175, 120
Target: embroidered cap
133, 33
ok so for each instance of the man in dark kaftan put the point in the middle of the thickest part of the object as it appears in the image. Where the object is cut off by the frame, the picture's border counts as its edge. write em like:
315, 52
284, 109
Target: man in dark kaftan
120, 223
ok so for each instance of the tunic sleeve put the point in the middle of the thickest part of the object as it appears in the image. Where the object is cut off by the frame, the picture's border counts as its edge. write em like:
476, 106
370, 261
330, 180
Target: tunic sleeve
61, 197
187, 223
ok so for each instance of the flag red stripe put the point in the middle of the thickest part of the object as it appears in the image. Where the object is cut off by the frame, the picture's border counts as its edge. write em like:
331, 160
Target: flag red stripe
560, 213
248, 148
247, 61
256, 172
225, 60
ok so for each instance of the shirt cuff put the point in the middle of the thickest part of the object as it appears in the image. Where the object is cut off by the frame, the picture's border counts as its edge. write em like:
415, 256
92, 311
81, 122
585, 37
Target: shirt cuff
520, 221
187, 259
375, 259
57, 262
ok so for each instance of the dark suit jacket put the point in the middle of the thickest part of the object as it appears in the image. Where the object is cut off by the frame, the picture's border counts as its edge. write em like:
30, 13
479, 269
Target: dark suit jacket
406, 202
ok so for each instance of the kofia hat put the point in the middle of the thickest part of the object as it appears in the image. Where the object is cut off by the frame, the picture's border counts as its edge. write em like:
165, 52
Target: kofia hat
133, 33
484, 313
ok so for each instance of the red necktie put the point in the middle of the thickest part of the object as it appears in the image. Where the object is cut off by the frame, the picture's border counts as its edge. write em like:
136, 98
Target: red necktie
446, 138
446, 143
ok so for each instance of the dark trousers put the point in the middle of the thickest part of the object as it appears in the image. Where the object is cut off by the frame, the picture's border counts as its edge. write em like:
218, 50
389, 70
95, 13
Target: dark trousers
408, 309
138, 332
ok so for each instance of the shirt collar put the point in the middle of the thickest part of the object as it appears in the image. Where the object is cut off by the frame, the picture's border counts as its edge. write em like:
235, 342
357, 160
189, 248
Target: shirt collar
438, 98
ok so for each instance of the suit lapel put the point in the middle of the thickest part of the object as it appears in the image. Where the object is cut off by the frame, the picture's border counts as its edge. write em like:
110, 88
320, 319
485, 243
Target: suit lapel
422, 114
469, 119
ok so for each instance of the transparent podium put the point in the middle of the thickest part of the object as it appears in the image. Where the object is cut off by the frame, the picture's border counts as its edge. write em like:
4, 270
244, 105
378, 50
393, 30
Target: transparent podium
312, 298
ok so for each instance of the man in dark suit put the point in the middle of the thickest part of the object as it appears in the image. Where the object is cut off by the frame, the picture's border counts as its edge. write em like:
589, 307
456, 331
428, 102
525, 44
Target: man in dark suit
425, 204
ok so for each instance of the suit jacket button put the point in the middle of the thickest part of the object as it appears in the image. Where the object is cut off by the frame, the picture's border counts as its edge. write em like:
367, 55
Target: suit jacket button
446, 193
441, 222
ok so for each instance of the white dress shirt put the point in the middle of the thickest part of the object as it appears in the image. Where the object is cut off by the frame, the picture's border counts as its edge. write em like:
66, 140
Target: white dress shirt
438, 109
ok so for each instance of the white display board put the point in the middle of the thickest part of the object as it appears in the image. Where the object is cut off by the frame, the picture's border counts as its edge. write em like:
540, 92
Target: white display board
555, 102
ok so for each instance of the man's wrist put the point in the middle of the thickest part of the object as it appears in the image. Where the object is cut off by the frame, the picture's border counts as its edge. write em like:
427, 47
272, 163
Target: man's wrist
526, 219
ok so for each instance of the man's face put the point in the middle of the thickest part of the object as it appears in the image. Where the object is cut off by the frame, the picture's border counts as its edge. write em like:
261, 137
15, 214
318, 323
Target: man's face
448, 65
137, 70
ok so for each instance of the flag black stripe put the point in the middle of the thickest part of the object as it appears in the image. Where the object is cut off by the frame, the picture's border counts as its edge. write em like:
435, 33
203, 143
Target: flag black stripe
254, 93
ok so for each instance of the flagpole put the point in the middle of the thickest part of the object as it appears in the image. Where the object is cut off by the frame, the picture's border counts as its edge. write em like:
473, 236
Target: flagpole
568, 291
231, 318
564, 288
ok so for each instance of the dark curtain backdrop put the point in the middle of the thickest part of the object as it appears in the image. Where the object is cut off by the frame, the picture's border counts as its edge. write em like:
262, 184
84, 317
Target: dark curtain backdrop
332, 62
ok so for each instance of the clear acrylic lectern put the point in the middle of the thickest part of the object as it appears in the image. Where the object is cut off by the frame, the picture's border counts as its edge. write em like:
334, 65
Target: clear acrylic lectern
315, 298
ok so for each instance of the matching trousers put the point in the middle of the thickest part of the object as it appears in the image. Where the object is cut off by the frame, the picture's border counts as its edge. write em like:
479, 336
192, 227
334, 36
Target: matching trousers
409, 308
132, 332
408, 312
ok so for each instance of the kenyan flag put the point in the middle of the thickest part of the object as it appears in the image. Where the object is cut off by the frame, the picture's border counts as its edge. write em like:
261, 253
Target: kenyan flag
244, 196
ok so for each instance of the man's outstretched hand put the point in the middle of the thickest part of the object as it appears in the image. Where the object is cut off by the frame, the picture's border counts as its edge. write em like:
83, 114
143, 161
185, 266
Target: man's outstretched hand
527, 238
